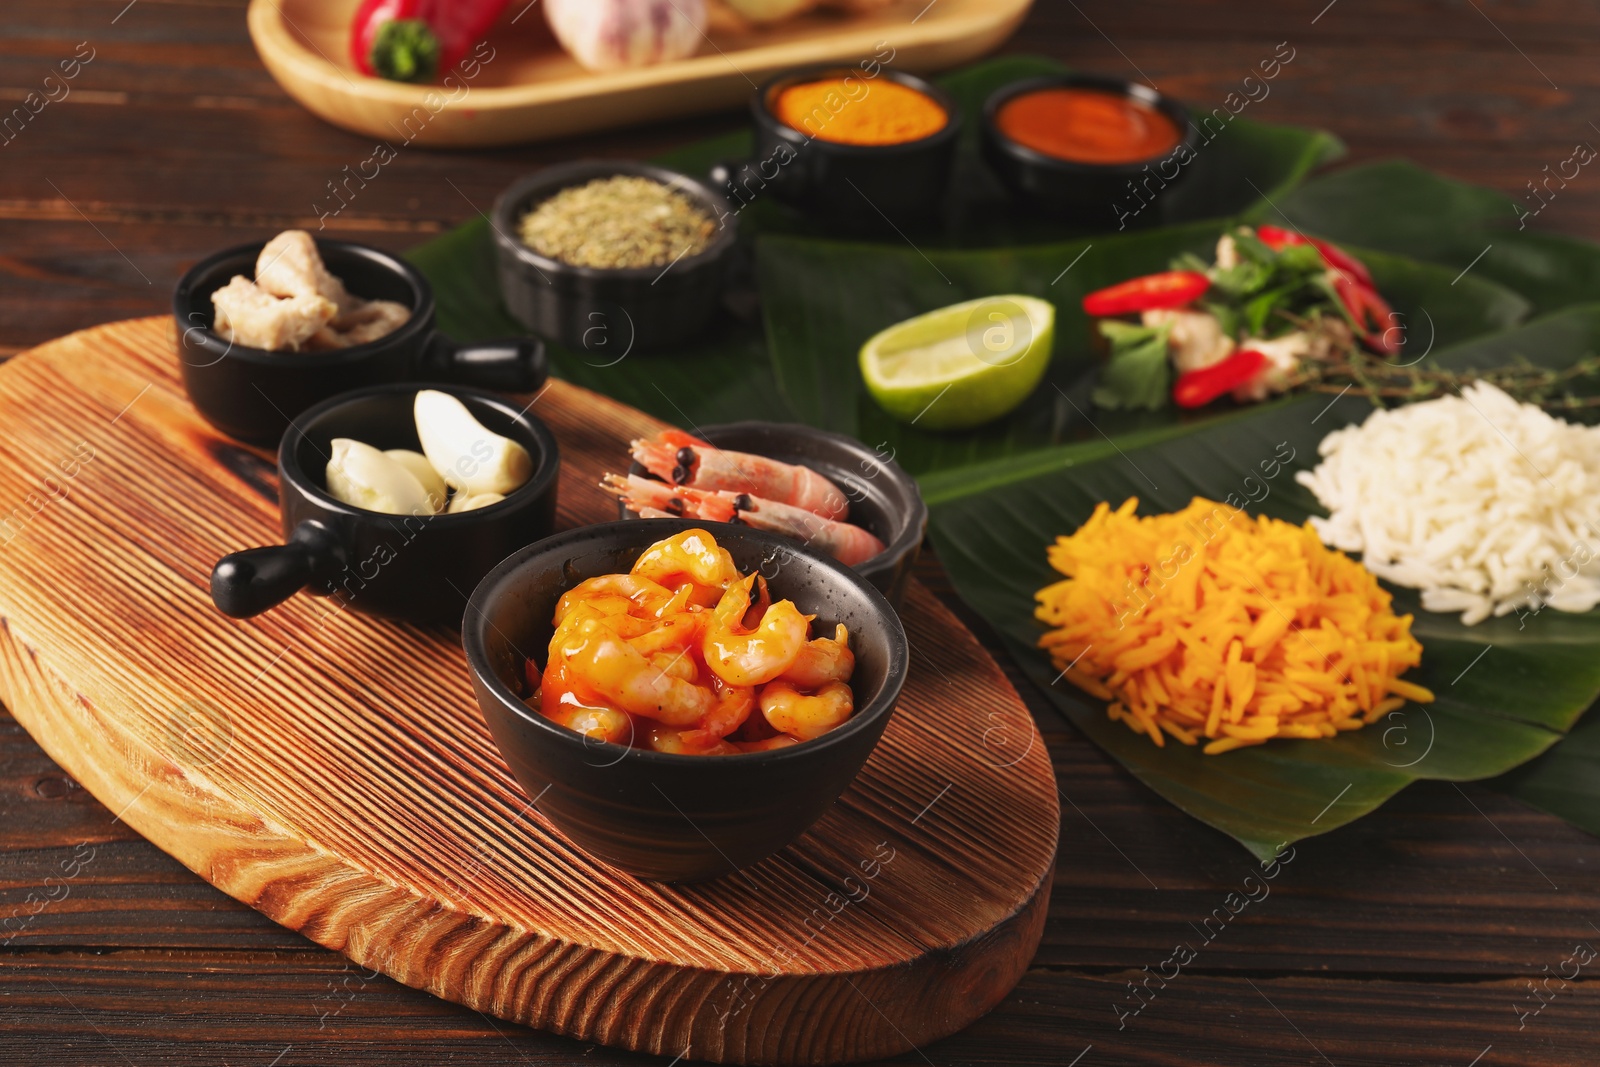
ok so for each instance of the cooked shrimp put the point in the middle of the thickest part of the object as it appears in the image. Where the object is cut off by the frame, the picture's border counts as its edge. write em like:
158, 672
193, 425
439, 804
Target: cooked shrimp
559, 701
734, 705
600, 724
804, 717
664, 739
846, 543
640, 590
691, 555
681, 459
827, 659
673, 635
625, 678
741, 655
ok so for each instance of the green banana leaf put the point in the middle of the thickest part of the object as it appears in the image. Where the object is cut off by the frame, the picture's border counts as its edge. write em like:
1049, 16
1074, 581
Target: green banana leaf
822, 299
1245, 165
1399, 207
1507, 689
1564, 781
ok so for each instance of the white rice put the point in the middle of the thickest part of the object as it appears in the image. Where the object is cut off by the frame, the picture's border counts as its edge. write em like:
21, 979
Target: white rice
1485, 504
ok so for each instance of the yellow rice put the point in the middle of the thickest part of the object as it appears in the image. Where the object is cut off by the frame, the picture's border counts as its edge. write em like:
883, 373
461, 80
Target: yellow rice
1207, 625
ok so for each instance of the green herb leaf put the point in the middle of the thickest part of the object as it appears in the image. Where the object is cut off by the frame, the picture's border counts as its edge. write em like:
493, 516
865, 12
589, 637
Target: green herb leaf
1139, 374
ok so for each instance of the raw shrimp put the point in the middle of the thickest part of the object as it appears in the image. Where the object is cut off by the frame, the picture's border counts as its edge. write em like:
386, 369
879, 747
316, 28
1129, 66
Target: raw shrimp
692, 555
846, 543
827, 659
625, 678
681, 459
805, 717
742, 655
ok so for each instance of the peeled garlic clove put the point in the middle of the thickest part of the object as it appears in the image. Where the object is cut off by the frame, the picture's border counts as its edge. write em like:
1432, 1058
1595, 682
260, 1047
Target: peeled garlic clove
473, 501
468, 456
363, 477
418, 465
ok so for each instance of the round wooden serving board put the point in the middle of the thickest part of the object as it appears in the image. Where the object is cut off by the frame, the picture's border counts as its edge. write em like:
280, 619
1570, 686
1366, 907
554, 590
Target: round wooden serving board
333, 771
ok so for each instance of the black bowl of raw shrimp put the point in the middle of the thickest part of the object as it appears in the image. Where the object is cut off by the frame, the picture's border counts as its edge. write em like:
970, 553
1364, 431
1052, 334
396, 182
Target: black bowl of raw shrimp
666, 816
860, 490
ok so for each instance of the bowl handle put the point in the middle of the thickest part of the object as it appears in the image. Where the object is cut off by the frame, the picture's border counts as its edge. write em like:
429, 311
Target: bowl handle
514, 365
250, 582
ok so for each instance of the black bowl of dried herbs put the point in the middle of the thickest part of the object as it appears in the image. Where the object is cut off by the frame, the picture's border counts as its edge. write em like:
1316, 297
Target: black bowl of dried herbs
608, 257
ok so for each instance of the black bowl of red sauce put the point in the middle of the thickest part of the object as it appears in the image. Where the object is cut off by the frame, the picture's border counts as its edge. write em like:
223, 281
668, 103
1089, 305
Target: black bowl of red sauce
1090, 149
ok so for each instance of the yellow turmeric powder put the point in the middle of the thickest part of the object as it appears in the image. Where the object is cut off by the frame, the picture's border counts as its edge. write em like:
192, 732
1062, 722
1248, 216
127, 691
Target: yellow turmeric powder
853, 111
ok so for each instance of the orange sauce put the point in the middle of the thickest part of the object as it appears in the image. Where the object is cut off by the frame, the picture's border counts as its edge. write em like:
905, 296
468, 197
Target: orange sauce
1087, 126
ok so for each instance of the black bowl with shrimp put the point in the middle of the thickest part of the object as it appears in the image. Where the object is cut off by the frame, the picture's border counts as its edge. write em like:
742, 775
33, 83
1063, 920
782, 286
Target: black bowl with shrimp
682, 704
823, 489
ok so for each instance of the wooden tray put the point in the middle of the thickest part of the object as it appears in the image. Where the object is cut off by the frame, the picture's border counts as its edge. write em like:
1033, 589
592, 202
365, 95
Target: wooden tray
333, 771
531, 90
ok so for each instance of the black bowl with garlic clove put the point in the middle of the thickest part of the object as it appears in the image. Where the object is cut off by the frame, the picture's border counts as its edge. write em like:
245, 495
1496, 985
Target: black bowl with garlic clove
417, 567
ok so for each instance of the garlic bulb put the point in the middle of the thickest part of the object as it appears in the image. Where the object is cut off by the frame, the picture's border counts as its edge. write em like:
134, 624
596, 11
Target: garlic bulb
472, 458
610, 34
363, 477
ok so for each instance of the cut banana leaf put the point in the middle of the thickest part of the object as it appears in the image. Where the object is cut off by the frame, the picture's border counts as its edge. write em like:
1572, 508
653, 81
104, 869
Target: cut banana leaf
823, 299
1564, 781
1243, 165
1507, 689
1401, 208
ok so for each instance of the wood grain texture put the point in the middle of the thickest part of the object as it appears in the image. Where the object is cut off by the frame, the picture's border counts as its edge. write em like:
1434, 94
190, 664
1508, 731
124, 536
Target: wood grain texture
333, 772
527, 88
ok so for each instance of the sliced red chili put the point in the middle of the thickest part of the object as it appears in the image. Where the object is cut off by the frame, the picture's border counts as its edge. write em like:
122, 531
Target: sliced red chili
1169, 289
1373, 316
1200, 387
1342, 262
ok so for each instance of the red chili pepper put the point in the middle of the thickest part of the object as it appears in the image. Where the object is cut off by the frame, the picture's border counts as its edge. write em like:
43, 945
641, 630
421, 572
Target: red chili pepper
414, 40
1169, 289
1200, 387
1341, 261
1373, 316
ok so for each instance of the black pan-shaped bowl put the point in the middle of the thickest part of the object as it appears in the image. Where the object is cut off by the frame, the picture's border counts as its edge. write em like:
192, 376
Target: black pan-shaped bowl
884, 499
252, 394
660, 816
417, 568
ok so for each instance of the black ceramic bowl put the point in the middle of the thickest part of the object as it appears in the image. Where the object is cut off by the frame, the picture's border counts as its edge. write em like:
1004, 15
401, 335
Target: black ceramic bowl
883, 498
669, 817
845, 185
609, 313
1091, 193
417, 568
253, 394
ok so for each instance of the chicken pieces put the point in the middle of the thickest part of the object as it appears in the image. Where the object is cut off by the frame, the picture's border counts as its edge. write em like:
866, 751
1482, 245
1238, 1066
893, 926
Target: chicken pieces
295, 304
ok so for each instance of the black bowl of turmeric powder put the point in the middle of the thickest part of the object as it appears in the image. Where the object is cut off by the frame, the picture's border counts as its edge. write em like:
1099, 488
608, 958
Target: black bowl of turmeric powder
853, 147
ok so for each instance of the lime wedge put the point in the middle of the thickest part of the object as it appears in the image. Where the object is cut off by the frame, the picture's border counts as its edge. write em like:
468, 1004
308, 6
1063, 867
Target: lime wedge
963, 365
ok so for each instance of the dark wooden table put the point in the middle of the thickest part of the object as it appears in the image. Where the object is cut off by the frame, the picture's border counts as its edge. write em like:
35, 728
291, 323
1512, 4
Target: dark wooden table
1411, 937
